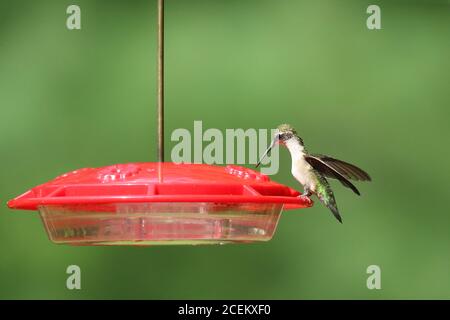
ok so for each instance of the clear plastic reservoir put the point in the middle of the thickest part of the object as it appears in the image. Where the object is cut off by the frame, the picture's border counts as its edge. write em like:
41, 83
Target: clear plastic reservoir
160, 223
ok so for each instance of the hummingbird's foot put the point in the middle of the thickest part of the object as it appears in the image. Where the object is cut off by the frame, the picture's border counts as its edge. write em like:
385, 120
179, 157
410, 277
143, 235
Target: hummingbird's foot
306, 194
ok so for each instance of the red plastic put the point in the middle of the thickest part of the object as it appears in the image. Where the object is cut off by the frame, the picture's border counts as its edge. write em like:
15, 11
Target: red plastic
160, 182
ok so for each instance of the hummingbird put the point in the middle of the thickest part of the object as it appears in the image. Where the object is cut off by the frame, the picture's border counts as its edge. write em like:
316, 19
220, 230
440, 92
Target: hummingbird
312, 170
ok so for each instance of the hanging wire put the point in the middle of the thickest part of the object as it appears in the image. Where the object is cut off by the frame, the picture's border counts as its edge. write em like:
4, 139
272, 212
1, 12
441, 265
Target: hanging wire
160, 110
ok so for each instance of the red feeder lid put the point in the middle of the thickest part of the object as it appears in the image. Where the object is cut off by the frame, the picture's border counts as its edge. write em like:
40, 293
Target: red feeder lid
160, 182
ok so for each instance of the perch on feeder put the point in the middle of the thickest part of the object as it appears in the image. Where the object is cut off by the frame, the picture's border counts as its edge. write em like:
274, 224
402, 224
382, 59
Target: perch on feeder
162, 202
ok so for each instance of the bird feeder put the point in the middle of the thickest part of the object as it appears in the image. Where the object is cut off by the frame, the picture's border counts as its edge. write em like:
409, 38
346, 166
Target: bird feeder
161, 202
129, 204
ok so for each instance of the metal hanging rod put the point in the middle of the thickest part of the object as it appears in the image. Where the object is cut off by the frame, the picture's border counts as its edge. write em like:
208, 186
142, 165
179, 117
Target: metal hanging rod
160, 105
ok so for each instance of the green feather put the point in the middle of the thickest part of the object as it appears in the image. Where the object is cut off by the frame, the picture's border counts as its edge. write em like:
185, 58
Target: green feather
326, 196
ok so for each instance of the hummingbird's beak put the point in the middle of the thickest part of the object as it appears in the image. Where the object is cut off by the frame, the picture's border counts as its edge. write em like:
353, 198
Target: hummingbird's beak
274, 142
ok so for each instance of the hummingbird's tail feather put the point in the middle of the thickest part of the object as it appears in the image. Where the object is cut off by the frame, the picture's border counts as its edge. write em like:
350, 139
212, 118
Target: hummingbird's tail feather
334, 210
326, 196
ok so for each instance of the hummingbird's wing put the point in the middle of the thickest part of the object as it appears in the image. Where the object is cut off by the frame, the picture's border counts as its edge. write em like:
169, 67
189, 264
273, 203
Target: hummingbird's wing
337, 169
346, 169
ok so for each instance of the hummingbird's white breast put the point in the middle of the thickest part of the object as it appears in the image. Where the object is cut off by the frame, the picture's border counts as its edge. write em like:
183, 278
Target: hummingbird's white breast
301, 170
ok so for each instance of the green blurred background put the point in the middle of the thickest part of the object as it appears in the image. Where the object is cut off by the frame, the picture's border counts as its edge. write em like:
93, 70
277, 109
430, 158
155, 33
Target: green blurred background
380, 99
